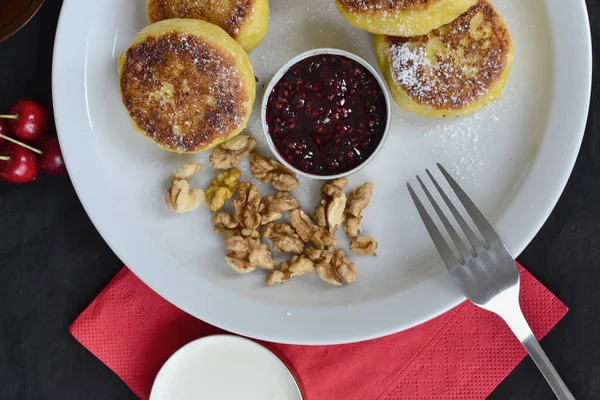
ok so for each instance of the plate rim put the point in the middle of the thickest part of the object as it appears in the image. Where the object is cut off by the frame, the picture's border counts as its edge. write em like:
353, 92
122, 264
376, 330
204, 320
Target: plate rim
64, 81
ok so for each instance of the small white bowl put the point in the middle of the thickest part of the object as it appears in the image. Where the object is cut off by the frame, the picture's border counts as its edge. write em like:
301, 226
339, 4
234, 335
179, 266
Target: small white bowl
280, 74
220, 367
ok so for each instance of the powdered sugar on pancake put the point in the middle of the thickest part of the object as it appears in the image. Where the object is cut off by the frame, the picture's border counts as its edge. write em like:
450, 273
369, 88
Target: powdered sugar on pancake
454, 66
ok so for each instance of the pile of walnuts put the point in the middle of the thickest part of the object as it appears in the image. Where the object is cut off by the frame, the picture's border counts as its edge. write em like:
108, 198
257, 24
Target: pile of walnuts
310, 240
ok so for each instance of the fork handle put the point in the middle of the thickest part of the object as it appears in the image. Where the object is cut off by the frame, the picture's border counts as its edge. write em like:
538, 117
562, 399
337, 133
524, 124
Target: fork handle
545, 366
518, 324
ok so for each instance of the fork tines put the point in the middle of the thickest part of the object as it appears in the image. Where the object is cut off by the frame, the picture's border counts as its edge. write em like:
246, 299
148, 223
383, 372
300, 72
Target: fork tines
465, 252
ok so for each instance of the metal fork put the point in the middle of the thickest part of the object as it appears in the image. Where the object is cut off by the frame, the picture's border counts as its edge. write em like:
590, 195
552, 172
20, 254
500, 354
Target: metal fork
485, 271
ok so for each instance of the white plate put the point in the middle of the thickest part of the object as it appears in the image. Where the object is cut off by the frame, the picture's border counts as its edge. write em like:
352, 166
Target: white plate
224, 367
514, 159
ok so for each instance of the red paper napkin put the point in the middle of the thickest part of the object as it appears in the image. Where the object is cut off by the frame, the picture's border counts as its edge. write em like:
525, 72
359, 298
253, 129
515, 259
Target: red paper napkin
463, 354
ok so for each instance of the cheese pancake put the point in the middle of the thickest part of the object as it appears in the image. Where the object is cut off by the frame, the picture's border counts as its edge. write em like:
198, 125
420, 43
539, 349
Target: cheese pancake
247, 21
186, 84
452, 71
401, 17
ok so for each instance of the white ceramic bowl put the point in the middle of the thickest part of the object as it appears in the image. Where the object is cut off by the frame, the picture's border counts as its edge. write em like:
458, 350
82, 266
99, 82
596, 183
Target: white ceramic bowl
221, 367
285, 69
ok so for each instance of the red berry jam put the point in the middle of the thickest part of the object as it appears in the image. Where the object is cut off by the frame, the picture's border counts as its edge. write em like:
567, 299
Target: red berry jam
326, 115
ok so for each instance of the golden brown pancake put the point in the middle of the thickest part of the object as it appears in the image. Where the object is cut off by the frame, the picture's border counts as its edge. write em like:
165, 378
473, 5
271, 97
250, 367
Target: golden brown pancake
401, 17
247, 21
452, 71
186, 85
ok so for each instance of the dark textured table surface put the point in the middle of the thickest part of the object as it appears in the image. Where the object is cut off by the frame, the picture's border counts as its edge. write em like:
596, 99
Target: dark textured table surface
53, 262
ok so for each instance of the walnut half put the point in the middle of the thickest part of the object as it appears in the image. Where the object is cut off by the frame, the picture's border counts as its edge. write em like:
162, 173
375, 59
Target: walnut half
180, 197
298, 265
247, 254
270, 171
321, 237
231, 153
358, 201
284, 238
324, 239
344, 267
363, 246
303, 225
246, 206
186, 172
330, 210
224, 224
332, 266
273, 206
222, 188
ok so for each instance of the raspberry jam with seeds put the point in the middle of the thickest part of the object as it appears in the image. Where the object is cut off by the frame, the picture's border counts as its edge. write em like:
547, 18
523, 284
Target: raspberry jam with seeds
326, 115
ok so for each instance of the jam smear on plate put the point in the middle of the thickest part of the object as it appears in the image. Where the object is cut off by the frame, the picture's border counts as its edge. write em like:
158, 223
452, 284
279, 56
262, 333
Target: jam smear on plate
326, 115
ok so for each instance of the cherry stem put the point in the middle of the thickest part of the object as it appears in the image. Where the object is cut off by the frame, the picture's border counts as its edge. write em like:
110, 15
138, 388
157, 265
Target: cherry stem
9, 116
4, 158
28, 147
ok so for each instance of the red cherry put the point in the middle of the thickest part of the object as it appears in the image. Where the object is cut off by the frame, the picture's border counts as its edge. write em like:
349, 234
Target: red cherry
28, 120
51, 160
17, 164
4, 130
